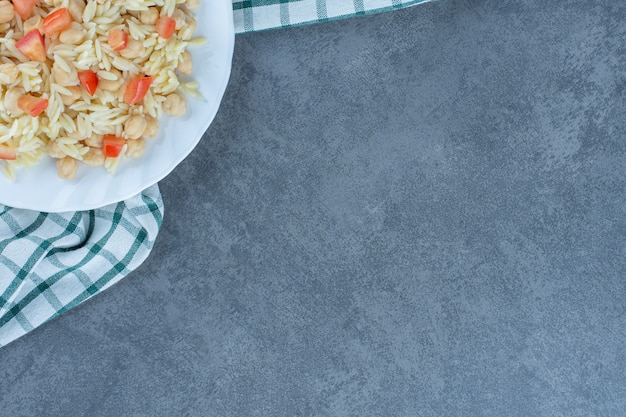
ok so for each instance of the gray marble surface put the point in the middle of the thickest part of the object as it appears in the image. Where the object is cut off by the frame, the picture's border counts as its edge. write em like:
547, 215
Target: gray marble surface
419, 213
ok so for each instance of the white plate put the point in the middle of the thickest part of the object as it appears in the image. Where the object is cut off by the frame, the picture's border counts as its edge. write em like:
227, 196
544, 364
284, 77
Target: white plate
39, 188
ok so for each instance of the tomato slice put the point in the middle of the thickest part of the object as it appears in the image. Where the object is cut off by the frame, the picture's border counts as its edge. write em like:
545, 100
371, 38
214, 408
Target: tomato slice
32, 45
32, 105
117, 39
56, 21
24, 7
136, 89
7, 153
112, 145
165, 26
89, 81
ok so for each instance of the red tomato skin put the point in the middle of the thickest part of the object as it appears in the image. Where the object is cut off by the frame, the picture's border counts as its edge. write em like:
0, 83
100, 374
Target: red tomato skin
112, 145
56, 21
117, 39
24, 8
32, 105
136, 89
89, 80
33, 46
6, 153
165, 26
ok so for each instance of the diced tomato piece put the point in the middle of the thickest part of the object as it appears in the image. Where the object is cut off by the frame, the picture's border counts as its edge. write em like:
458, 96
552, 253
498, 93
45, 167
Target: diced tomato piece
32, 45
24, 7
136, 89
89, 81
117, 39
165, 26
112, 145
32, 105
56, 21
7, 153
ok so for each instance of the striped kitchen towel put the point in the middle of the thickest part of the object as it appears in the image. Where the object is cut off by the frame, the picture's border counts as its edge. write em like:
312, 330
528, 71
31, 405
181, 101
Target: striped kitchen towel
51, 262
256, 15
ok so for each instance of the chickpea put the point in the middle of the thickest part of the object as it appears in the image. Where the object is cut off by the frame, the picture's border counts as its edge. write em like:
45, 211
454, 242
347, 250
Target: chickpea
67, 167
10, 100
73, 35
184, 63
152, 127
76, 8
6, 11
54, 150
95, 141
174, 105
34, 22
94, 157
71, 99
135, 126
135, 148
192, 4
179, 17
63, 78
149, 17
133, 50
10, 71
112, 85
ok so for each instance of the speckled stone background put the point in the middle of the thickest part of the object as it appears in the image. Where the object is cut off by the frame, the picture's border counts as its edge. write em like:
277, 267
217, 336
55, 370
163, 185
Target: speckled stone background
418, 213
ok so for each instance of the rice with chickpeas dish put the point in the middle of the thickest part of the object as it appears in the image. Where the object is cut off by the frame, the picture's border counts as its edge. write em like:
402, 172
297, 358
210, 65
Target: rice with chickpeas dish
87, 81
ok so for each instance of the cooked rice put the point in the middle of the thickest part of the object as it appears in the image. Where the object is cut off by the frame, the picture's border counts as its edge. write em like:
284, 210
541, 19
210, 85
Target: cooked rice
105, 112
